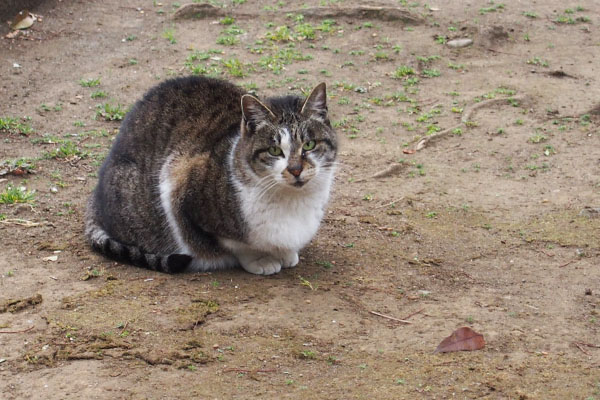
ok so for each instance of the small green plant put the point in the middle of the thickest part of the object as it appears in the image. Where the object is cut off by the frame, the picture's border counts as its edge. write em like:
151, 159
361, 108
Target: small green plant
110, 112
227, 40
327, 25
307, 355
305, 31
431, 214
306, 282
381, 56
169, 34
13, 194
549, 150
530, 14
493, 8
538, 138
66, 150
234, 30
279, 59
92, 82
280, 34
235, 67
402, 72
428, 59
538, 61
431, 73
13, 125
98, 94
227, 21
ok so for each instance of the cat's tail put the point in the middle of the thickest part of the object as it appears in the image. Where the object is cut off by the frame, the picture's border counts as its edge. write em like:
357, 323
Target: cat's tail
103, 243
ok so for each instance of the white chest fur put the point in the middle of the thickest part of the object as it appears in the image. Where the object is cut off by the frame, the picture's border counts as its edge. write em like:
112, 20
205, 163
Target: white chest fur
286, 219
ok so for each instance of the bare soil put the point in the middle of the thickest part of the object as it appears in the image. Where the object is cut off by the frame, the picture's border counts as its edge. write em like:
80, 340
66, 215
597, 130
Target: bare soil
493, 226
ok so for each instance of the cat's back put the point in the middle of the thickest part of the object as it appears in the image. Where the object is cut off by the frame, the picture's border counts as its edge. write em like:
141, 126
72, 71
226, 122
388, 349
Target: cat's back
182, 112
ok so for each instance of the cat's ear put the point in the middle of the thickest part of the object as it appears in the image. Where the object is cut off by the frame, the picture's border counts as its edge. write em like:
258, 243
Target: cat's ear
315, 104
254, 114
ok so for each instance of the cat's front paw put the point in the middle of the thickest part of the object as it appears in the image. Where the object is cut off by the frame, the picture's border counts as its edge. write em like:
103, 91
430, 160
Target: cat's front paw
290, 259
265, 265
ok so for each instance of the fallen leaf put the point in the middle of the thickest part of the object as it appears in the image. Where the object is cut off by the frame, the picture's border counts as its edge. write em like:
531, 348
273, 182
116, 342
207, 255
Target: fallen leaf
50, 258
462, 339
409, 151
23, 20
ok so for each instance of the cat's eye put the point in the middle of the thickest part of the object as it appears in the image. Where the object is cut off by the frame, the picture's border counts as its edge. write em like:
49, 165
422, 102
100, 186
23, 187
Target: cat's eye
275, 151
309, 145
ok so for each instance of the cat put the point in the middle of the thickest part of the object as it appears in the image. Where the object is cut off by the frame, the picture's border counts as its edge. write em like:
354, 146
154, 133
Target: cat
203, 176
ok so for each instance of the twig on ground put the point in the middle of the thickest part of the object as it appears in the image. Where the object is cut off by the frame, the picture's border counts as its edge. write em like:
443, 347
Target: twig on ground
465, 118
19, 221
390, 318
567, 263
596, 346
390, 203
249, 371
23, 331
413, 314
581, 348
393, 169
502, 52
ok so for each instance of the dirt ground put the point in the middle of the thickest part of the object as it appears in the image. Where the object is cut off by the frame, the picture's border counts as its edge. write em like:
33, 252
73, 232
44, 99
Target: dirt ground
493, 225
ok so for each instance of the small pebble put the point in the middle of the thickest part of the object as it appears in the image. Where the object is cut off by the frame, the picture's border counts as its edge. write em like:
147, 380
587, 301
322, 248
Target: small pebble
588, 292
459, 43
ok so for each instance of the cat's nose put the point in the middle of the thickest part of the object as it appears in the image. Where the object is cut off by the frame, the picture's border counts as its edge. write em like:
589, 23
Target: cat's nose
295, 170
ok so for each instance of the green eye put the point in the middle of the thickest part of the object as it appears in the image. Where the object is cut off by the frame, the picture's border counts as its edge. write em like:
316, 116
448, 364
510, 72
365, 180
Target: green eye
275, 151
309, 145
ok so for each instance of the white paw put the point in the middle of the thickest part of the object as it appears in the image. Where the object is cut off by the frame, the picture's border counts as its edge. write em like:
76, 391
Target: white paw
265, 265
289, 260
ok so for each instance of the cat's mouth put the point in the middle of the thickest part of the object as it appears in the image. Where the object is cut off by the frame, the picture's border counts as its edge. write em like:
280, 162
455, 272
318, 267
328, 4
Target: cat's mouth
298, 184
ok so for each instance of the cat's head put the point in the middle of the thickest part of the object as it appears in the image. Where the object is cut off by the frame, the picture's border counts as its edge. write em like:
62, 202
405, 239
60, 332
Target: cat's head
288, 141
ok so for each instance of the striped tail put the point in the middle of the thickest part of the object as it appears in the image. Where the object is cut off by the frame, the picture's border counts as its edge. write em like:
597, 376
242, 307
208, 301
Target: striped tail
101, 242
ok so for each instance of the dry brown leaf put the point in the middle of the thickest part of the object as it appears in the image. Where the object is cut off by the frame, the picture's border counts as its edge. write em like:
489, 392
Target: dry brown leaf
409, 151
462, 339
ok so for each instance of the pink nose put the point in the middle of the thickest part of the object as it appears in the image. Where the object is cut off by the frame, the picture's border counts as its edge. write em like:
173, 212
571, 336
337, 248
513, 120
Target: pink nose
296, 171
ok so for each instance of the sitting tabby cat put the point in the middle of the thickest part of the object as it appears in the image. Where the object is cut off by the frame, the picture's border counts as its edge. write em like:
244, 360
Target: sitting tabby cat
186, 186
